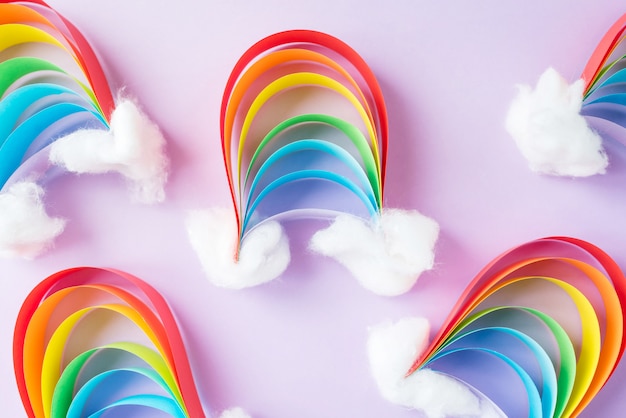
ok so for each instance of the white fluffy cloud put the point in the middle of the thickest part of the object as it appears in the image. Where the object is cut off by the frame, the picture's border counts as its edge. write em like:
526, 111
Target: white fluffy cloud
26, 230
234, 413
550, 131
134, 147
263, 256
392, 348
386, 257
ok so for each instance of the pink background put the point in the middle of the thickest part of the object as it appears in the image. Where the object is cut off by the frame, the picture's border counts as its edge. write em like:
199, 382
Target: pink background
296, 347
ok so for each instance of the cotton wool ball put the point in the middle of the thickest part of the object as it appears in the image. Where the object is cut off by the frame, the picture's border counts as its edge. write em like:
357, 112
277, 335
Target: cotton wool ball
551, 133
386, 256
26, 230
393, 348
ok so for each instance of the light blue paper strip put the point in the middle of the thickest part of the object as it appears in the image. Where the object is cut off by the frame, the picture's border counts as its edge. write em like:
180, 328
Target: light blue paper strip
13, 106
548, 383
615, 113
532, 393
564, 360
304, 145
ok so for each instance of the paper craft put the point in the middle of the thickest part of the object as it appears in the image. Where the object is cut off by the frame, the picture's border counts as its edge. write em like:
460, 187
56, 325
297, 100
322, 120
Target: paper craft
55, 102
537, 333
90, 341
560, 128
305, 135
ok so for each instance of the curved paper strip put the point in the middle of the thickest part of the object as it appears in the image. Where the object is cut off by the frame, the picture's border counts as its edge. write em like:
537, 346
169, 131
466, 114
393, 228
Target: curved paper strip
559, 127
287, 62
605, 84
18, 72
598, 61
282, 170
85, 87
63, 395
53, 384
100, 382
566, 351
14, 149
541, 329
311, 175
295, 80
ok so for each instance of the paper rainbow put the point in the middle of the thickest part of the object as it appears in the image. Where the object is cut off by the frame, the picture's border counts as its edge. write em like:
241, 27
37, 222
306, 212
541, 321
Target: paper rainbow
59, 374
51, 83
604, 103
297, 155
547, 316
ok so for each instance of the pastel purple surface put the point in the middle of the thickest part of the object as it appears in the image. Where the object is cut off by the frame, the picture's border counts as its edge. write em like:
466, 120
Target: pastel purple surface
296, 346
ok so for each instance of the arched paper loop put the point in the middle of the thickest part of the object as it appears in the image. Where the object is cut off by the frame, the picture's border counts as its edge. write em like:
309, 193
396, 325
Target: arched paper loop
560, 126
604, 105
360, 150
38, 11
300, 39
157, 371
302, 153
562, 334
303, 126
14, 31
51, 384
284, 54
56, 107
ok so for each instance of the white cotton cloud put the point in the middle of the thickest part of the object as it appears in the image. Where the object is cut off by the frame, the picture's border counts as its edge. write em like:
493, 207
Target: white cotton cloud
392, 348
134, 147
385, 257
234, 413
550, 131
26, 230
264, 254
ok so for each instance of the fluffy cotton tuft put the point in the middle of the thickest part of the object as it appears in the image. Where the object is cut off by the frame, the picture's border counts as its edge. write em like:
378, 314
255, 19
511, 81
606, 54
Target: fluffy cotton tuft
134, 147
263, 256
235, 413
26, 230
392, 349
386, 257
550, 131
